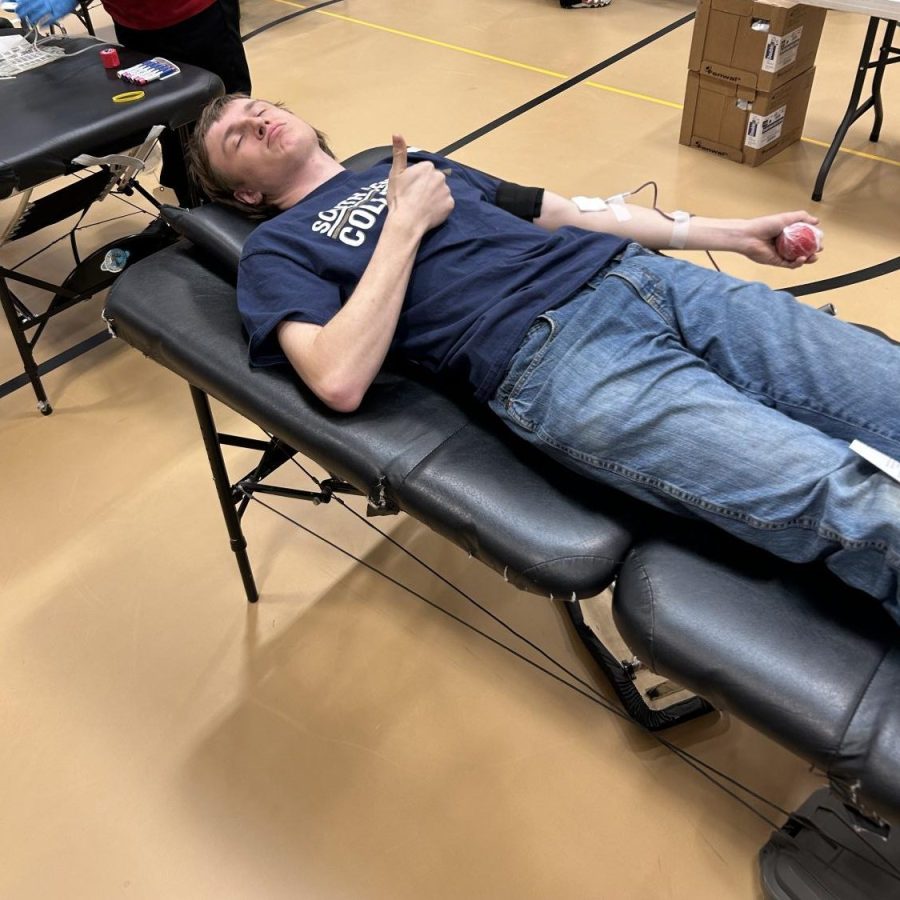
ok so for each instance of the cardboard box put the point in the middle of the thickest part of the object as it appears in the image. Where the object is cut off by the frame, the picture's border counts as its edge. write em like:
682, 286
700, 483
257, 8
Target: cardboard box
742, 124
758, 45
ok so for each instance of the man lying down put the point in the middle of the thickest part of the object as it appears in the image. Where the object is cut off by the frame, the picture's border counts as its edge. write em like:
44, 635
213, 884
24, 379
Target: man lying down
684, 387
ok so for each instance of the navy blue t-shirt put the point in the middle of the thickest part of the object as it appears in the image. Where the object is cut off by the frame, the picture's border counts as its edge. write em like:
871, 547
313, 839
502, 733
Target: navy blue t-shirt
479, 279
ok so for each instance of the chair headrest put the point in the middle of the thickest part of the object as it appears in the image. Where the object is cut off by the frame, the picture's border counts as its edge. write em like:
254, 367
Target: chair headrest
220, 230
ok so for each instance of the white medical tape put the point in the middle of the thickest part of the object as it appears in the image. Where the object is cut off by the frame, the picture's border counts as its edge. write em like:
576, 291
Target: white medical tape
680, 229
620, 210
590, 204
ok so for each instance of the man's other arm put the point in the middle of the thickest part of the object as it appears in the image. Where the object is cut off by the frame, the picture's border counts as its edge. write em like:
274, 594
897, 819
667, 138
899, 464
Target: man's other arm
754, 238
339, 360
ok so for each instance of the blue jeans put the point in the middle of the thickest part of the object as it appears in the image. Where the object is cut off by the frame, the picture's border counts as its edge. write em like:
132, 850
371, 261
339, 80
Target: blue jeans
721, 399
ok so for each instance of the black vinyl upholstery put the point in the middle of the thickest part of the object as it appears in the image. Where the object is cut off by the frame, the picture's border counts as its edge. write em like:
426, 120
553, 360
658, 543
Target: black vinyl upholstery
789, 649
434, 456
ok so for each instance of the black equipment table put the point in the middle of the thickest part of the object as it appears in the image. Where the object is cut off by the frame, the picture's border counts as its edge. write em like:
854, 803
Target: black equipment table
54, 114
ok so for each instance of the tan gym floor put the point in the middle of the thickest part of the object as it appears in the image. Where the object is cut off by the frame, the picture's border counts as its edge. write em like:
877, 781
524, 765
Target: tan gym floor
342, 740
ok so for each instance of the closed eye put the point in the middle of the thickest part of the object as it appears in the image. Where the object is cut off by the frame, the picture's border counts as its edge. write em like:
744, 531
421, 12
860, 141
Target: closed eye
254, 114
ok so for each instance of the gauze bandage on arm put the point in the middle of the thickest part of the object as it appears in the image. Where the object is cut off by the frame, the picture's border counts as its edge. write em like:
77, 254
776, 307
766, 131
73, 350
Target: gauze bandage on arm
597, 204
590, 204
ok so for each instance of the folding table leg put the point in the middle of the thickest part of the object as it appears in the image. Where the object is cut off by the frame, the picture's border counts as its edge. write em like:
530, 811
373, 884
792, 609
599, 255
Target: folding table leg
855, 109
883, 60
223, 489
24, 347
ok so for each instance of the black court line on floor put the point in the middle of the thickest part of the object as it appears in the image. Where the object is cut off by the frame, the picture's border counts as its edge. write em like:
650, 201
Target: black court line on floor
287, 18
571, 82
840, 281
55, 362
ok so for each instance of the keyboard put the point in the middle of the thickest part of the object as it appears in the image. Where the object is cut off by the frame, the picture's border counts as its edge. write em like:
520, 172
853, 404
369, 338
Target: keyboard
18, 55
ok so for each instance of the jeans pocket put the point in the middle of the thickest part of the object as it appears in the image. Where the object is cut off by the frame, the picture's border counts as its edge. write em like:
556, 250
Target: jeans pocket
527, 358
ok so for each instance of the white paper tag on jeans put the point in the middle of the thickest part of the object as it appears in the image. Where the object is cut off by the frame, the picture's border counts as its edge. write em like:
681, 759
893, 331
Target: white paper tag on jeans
887, 464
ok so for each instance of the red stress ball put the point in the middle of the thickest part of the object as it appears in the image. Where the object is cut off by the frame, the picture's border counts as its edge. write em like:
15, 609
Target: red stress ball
799, 239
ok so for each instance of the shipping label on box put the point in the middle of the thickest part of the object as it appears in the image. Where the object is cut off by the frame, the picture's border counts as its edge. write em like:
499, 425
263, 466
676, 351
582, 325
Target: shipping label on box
781, 52
764, 130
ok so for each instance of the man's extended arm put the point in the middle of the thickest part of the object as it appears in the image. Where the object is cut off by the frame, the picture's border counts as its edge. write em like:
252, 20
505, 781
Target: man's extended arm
339, 360
755, 238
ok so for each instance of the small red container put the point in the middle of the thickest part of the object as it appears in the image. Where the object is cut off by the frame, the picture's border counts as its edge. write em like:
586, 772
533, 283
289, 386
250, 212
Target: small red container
110, 58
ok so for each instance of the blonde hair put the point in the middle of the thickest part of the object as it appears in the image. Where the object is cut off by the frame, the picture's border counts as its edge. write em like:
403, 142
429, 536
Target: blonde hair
210, 180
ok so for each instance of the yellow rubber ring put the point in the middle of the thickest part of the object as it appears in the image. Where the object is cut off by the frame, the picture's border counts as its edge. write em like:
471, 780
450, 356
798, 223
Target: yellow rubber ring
128, 97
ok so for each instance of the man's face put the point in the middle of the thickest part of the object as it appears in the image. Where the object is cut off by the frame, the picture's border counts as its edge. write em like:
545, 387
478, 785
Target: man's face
259, 147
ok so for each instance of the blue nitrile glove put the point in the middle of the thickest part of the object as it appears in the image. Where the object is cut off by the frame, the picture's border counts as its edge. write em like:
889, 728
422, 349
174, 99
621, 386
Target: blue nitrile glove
44, 12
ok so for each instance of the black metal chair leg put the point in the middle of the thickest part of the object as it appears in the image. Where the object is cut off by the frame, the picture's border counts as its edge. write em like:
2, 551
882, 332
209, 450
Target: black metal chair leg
223, 489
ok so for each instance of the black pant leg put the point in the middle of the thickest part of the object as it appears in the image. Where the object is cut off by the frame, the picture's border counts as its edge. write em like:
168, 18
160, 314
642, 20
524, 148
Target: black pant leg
209, 41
